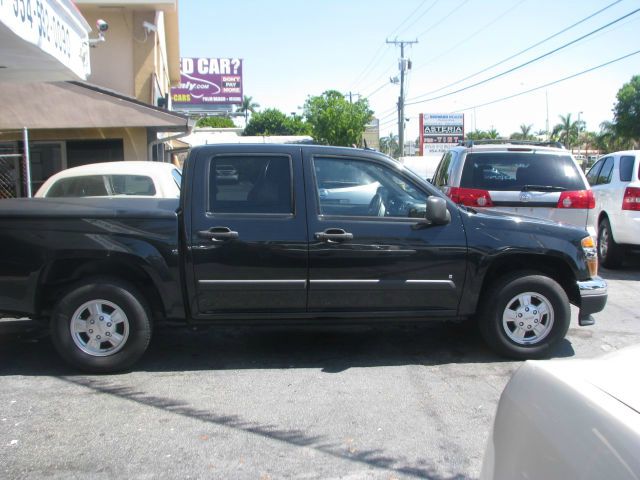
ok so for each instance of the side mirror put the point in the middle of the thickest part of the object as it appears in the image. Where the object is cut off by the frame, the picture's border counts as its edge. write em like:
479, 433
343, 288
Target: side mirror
437, 212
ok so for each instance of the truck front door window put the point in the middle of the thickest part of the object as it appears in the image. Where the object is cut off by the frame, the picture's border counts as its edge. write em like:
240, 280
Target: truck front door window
359, 188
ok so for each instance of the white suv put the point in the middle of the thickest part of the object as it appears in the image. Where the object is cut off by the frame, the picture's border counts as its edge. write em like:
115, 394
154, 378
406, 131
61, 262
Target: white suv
615, 181
525, 178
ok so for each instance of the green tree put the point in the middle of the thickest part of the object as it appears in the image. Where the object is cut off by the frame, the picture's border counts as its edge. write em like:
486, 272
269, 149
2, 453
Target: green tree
627, 110
587, 140
476, 135
248, 105
273, 122
609, 140
483, 135
336, 121
215, 122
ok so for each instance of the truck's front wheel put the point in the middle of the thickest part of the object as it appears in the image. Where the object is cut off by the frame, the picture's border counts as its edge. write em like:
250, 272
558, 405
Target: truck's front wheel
525, 315
101, 326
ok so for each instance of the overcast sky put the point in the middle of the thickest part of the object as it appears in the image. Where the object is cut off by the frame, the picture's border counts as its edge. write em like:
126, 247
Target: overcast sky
292, 49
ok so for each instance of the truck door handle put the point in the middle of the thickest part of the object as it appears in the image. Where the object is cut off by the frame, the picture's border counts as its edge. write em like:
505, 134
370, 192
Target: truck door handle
218, 233
334, 235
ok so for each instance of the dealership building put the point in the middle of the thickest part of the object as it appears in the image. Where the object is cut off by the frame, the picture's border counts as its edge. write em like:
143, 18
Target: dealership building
71, 104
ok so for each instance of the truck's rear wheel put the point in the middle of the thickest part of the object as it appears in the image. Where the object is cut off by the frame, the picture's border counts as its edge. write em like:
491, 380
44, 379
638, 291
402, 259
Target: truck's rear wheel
101, 326
525, 315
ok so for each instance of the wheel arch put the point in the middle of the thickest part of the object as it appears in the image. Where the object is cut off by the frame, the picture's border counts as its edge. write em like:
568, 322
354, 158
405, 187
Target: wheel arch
62, 274
553, 267
603, 214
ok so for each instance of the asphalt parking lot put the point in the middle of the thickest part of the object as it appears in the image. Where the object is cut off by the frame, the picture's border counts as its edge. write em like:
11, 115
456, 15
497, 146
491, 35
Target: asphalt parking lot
268, 404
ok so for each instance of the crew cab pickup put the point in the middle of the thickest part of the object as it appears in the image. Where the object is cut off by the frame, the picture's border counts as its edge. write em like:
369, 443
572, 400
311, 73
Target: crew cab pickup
303, 234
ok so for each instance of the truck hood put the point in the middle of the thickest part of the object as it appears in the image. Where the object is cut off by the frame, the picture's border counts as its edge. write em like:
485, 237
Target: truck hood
520, 220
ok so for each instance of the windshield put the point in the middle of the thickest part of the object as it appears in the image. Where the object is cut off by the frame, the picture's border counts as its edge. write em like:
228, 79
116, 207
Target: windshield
177, 177
517, 171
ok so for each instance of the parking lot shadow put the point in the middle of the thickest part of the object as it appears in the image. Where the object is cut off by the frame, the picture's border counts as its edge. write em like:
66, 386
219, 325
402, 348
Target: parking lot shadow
629, 270
332, 349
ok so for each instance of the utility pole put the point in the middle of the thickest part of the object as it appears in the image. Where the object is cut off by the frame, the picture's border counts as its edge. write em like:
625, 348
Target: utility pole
546, 96
351, 95
403, 65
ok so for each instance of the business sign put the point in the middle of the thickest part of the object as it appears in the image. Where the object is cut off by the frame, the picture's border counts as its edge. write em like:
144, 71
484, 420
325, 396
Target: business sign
56, 28
440, 131
208, 81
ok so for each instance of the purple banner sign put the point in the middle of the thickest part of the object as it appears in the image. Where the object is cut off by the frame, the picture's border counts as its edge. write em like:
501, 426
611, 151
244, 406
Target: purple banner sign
209, 81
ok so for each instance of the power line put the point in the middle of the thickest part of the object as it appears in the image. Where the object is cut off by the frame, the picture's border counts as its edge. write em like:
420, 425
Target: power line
520, 52
388, 122
375, 60
433, 25
377, 90
429, 8
385, 124
477, 32
392, 114
551, 83
439, 22
513, 69
416, 20
408, 17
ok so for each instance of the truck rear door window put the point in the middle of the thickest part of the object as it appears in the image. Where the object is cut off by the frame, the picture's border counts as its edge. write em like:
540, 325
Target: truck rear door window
511, 171
250, 184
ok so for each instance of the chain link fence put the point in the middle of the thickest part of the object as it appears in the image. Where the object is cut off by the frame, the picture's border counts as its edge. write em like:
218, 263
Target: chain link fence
10, 174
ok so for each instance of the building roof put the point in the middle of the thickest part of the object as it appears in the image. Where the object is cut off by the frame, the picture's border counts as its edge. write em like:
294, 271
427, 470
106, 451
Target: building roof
58, 105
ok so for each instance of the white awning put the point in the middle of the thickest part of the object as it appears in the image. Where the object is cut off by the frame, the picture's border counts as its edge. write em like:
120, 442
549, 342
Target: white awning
43, 40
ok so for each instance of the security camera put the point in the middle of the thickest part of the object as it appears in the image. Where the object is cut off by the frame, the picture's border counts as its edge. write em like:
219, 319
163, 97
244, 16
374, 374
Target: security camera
149, 27
102, 25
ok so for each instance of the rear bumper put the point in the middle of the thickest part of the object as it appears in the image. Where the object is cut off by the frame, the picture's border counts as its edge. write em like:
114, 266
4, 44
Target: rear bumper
593, 298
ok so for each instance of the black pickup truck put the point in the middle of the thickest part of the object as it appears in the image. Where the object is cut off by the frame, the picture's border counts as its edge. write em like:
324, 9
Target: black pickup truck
297, 234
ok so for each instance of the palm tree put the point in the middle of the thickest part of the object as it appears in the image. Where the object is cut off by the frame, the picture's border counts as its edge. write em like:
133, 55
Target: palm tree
493, 134
248, 105
566, 131
542, 133
476, 135
525, 130
389, 145
524, 133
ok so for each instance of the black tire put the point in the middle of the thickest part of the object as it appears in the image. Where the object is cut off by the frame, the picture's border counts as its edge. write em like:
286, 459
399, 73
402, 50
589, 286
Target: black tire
132, 325
500, 297
609, 252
